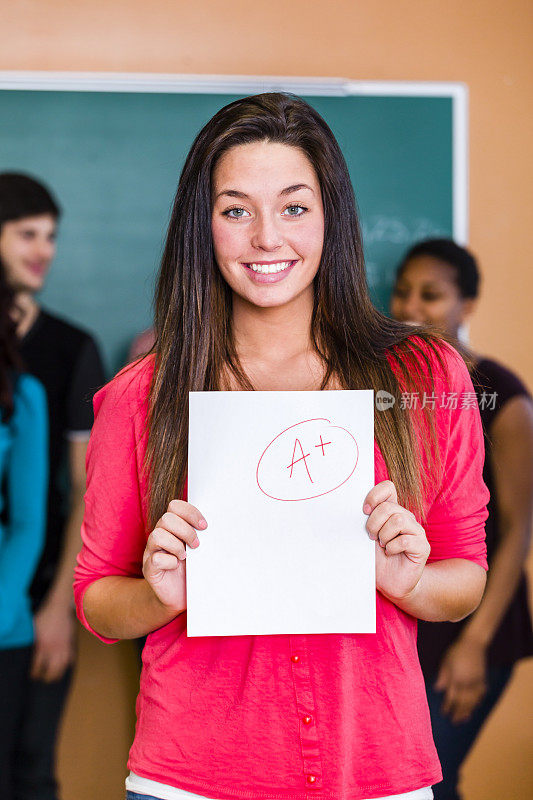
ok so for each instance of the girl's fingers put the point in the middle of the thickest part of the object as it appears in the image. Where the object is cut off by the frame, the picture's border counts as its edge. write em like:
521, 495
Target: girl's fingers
164, 561
442, 679
414, 546
380, 493
398, 524
449, 699
188, 512
161, 540
467, 698
379, 516
39, 664
461, 699
388, 520
178, 527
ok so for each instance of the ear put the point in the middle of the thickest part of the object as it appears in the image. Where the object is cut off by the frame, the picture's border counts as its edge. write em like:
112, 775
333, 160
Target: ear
469, 305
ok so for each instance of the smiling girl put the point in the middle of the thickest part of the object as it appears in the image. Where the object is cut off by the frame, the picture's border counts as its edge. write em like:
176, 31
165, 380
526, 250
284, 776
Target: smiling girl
262, 287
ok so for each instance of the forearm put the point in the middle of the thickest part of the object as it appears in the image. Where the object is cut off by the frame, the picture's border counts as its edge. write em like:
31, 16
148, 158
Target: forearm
448, 590
503, 578
119, 607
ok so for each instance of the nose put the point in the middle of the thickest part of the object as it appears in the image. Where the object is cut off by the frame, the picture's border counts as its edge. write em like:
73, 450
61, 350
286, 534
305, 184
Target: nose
266, 235
44, 249
408, 308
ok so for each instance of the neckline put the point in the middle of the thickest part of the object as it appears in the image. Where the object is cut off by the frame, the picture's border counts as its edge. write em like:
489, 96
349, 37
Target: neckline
36, 325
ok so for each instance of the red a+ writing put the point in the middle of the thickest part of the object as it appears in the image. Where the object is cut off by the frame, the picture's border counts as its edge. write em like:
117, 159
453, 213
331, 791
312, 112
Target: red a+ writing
303, 457
322, 445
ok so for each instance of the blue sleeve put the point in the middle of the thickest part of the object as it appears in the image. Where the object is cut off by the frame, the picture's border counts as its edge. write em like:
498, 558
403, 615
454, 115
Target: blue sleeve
26, 485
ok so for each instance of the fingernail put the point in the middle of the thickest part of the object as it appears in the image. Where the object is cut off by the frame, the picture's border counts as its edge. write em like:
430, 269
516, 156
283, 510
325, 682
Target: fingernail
195, 542
202, 523
367, 509
182, 556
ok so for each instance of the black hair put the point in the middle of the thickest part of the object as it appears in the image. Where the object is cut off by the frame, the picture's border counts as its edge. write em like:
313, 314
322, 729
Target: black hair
10, 360
23, 196
20, 196
464, 263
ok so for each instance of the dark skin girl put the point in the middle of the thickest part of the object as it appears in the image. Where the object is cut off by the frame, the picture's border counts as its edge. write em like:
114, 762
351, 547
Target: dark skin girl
427, 292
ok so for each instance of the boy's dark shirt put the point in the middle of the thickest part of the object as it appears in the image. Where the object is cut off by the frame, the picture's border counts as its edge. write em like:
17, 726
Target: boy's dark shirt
67, 362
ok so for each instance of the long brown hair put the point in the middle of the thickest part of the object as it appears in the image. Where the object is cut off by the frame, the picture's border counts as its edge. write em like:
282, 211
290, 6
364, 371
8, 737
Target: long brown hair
193, 306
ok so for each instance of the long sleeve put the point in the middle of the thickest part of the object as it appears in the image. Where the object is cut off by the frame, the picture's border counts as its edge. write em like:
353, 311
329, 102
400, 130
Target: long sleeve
114, 529
455, 522
455, 496
26, 484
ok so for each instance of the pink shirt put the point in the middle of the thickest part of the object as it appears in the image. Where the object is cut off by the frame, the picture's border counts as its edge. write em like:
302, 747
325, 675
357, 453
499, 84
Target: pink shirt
331, 716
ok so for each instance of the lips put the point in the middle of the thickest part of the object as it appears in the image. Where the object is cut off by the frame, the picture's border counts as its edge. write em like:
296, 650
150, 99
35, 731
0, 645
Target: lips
268, 271
37, 269
270, 267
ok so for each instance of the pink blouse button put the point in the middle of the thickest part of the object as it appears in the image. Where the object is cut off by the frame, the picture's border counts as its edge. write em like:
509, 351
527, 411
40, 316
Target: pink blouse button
311, 779
295, 659
307, 720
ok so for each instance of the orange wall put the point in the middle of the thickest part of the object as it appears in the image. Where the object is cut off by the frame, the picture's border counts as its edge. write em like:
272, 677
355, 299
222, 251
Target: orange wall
485, 44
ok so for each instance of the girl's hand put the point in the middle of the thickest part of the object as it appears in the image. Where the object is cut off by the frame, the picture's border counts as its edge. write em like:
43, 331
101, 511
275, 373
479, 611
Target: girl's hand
463, 679
164, 555
401, 545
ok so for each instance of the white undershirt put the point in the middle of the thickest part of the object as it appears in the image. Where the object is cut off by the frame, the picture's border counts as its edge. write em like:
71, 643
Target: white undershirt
134, 783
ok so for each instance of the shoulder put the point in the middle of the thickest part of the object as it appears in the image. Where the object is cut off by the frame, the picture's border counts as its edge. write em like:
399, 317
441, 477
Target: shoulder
60, 328
29, 401
421, 360
120, 417
496, 386
29, 389
129, 390
492, 375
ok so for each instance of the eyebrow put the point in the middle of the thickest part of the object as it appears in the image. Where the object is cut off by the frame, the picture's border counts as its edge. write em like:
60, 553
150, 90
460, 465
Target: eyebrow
288, 190
430, 285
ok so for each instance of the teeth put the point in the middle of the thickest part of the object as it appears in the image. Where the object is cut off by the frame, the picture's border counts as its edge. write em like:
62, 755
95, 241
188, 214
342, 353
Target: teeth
269, 269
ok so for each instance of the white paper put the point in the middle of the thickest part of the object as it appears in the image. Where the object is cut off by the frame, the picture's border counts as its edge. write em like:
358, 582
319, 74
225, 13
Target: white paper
280, 478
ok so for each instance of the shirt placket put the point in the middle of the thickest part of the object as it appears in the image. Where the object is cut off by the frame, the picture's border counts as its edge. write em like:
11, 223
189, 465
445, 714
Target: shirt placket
312, 773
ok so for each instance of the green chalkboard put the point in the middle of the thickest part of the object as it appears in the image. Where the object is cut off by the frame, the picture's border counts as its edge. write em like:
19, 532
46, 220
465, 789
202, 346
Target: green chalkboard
113, 159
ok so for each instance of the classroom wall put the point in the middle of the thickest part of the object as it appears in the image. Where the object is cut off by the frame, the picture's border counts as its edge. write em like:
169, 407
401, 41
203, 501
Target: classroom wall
484, 44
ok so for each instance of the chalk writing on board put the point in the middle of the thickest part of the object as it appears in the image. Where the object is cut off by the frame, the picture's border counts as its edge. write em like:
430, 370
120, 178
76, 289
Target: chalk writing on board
384, 228
307, 460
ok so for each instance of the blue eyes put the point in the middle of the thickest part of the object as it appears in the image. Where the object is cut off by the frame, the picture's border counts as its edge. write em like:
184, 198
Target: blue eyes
239, 213
292, 209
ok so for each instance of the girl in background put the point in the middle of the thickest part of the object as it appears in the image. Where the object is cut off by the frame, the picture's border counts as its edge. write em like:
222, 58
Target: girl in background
262, 287
467, 665
23, 477
65, 359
